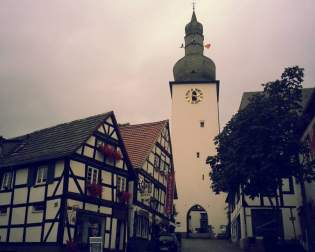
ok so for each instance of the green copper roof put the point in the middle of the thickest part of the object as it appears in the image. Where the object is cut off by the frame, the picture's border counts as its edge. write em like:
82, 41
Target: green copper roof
194, 66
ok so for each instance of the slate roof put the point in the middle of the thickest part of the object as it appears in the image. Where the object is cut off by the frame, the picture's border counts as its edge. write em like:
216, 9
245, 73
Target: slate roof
139, 139
306, 94
54, 142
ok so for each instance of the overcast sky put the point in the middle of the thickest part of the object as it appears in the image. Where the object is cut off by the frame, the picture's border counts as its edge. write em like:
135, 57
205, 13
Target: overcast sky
62, 60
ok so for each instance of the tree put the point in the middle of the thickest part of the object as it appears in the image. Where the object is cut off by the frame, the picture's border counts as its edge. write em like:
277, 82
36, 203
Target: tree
260, 145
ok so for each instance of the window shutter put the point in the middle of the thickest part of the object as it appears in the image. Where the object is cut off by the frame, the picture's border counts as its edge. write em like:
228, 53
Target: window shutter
51, 173
31, 176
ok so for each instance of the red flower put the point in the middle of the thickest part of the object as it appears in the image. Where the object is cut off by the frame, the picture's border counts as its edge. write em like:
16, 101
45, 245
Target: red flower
110, 152
72, 246
117, 155
124, 197
95, 189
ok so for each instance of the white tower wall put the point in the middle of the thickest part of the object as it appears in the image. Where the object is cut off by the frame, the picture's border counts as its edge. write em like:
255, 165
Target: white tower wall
188, 138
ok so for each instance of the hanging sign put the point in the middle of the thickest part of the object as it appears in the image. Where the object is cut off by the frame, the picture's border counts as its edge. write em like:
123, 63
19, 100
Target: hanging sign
170, 193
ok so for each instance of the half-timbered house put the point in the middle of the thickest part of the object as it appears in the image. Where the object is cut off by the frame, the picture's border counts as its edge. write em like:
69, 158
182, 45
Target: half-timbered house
307, 220
150, 151
62, 185
250, 218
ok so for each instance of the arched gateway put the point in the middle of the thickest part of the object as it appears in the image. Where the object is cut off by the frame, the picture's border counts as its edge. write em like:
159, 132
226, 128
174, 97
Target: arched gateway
197, 221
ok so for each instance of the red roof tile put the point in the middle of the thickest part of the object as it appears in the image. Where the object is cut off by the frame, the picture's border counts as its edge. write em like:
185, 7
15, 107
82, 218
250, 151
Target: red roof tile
139, 140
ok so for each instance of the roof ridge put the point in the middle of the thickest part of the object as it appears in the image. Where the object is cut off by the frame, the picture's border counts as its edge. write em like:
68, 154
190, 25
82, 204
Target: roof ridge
58, 125
143, 124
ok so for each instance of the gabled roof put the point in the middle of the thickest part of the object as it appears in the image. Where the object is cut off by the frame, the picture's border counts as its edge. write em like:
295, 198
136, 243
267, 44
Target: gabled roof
306, 94
54, 142
139, 140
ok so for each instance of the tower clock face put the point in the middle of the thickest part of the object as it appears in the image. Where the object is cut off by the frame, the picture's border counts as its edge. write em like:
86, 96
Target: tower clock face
194, 96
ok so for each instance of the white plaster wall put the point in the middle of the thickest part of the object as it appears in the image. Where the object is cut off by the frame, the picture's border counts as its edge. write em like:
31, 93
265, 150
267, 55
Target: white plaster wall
59, 167
52, 207
33, 234
21, 176
52, 187
53, 234
188, 138
34, 216
18, 215
20, 195
37, 194
91, 207
78, 168
288, 228
3, 234
106, 177
5, 198
16, 235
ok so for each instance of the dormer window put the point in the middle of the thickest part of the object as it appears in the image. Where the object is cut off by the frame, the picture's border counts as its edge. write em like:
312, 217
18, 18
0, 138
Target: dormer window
41, 177
6, 182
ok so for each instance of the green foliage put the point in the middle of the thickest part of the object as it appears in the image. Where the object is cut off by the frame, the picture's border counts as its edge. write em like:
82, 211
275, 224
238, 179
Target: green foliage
260, 144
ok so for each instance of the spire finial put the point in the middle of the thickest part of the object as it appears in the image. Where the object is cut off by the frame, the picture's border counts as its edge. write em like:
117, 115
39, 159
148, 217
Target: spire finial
193, 4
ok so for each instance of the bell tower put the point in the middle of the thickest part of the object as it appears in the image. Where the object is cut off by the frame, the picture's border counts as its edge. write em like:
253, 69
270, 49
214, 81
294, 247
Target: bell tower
195, 123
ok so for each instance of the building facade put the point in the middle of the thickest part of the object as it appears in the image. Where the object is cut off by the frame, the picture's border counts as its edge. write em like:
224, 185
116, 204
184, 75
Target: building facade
64, 184
150, 151
307, 223
195, 123
251, 219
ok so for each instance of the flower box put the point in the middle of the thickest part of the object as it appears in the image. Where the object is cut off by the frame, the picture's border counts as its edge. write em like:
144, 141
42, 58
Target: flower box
95, 189
124, 197
110, 152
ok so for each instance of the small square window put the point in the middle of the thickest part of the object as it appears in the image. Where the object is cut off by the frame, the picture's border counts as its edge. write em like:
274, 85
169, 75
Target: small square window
39, 207
6, 181
198, 154
41, 176
3, 210
202, 124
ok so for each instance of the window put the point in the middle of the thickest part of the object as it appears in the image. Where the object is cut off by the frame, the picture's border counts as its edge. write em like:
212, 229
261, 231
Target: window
6, 181
38, 207
3, 210
41, 177
202, 124
92, 175
203, 177
157, 161
198, 154
121, 184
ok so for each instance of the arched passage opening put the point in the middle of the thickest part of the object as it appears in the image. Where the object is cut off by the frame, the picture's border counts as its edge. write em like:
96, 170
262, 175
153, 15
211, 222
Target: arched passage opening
197, 221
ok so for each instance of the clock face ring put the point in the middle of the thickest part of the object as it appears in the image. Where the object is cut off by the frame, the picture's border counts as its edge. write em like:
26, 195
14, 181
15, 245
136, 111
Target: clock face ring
194, 95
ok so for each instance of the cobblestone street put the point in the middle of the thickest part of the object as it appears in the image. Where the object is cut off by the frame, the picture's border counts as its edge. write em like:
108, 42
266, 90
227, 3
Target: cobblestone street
204, 245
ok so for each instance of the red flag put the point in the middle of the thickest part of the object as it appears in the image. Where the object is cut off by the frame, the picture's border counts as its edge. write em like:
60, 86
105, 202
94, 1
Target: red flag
207, 45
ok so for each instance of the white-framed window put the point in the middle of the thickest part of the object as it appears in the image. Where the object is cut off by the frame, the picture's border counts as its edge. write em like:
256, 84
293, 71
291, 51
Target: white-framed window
6, 182
41, 176
92, 175
121, 184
